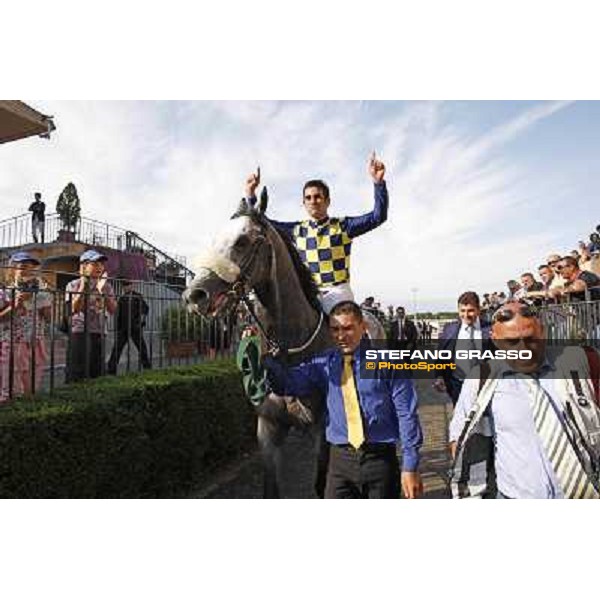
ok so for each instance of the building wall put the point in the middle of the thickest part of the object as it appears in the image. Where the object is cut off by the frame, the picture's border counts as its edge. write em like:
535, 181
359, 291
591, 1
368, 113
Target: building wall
63, 257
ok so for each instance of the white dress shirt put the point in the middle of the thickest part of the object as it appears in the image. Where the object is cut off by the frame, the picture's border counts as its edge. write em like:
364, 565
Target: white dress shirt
522, 467
464, 365
465, 334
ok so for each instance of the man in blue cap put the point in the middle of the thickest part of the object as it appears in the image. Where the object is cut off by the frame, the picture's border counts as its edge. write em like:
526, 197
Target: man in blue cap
89, 298
24, 313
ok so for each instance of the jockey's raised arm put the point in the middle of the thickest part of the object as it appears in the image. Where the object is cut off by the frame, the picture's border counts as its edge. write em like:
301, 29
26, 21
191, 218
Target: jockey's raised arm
356, 226
252, 182
323, 242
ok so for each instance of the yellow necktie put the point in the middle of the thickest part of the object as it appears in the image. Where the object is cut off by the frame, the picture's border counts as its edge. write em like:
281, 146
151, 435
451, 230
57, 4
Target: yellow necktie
356, 435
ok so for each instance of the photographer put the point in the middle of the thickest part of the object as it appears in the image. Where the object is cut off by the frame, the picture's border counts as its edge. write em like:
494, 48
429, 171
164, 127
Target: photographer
90, 298
25, 309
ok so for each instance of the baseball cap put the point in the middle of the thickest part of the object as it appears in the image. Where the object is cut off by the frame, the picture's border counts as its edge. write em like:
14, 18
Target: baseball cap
21, 257
92, 256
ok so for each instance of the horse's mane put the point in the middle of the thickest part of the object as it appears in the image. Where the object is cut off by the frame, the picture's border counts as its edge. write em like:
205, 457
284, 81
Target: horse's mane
309, 287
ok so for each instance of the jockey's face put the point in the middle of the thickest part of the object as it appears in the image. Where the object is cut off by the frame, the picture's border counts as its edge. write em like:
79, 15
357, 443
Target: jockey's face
346, 331
315, 203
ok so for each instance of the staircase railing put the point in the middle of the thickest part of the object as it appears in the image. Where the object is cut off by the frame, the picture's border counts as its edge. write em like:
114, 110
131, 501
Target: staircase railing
165, 267
169, 268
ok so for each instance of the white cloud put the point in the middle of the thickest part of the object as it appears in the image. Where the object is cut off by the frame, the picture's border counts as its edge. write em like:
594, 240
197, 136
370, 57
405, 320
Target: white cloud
453, 202
174, 173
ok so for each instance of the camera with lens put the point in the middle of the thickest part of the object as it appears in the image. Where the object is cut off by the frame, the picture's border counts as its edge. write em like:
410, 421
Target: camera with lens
30, 286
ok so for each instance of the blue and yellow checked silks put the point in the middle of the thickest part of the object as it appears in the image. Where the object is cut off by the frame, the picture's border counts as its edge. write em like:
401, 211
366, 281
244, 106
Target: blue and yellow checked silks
325, 249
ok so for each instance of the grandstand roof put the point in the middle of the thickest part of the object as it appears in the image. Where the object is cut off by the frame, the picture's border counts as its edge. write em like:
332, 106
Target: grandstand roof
18, 121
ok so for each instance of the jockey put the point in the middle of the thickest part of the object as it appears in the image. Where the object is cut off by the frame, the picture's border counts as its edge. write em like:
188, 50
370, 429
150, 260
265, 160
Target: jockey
323, 242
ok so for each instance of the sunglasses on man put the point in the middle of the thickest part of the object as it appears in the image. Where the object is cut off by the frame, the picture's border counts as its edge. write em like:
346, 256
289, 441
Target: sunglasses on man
503, 315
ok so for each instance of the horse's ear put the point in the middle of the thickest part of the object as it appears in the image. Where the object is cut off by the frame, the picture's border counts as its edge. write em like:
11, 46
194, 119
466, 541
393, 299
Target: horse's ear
264, 201
241, 209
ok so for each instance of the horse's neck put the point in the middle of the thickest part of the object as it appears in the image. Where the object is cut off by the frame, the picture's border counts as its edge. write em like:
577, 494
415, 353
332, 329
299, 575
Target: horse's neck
290, 316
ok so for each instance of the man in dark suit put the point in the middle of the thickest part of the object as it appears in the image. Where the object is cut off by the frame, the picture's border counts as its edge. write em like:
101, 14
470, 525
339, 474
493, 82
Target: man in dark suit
403, 333
468, 332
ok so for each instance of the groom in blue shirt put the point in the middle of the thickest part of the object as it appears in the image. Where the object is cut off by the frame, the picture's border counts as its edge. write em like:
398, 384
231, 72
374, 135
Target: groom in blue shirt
366, 417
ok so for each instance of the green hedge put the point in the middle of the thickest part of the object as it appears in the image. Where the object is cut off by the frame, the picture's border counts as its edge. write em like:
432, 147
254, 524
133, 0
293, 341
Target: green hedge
154, 434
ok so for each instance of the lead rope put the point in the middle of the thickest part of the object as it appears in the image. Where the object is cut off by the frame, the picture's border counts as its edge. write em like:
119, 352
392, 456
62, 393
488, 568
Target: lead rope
272, 344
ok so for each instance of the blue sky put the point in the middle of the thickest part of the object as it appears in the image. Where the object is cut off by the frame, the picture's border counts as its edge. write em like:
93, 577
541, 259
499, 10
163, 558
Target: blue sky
479, 191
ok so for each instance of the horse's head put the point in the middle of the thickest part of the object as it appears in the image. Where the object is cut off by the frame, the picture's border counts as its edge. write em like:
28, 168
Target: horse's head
235, 261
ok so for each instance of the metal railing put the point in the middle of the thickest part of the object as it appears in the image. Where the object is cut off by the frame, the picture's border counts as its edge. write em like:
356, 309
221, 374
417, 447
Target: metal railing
45, 343
44, 340
572, 322
17, 231
163, 268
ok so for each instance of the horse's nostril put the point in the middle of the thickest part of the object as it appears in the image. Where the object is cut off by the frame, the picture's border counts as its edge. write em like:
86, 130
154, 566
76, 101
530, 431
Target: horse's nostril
198, 296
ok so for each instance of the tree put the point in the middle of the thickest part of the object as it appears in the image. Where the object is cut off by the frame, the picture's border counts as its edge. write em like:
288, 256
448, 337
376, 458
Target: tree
68, 207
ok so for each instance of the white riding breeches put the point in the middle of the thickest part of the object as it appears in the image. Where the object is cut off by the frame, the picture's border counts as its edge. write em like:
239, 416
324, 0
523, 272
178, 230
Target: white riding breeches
334, 294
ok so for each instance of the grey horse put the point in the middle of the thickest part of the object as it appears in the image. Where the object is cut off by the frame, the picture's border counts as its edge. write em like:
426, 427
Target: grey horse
251, 259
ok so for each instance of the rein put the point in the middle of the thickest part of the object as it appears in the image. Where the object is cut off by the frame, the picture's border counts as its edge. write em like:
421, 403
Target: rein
239, 292
272, 343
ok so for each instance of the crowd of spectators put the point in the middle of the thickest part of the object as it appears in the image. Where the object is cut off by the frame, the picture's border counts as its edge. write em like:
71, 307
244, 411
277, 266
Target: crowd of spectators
87, 326
568, 277
401, 331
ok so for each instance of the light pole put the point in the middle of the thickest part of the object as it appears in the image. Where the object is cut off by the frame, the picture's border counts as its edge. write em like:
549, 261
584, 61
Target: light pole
414, 294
